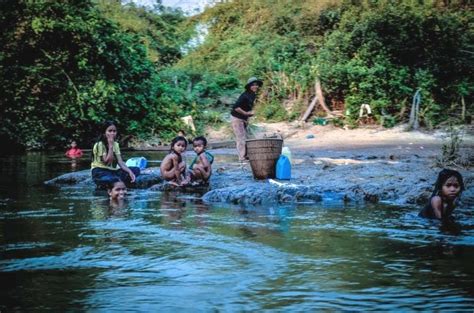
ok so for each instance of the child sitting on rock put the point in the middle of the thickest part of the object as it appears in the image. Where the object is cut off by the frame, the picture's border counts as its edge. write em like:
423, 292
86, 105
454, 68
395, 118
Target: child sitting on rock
173, 167
448, 188
107, 163
201, 166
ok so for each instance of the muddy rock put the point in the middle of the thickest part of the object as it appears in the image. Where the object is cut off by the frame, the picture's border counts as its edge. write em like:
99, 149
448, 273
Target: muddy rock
147, 178
371, 181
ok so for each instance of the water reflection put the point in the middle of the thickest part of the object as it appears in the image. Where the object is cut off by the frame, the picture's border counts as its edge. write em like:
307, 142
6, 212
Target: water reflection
70, 248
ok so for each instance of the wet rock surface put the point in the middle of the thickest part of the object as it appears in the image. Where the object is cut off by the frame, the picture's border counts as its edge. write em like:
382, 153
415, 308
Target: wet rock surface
396, 180
147, 178
402, 179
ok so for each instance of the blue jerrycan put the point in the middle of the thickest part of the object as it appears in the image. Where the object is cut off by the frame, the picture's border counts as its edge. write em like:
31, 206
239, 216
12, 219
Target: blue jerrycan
283, 168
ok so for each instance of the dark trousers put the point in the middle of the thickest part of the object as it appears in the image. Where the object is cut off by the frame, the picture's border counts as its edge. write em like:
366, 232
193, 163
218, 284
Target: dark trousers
102, 177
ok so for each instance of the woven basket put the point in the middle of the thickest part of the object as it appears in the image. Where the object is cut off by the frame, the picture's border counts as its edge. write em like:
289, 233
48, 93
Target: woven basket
263, 155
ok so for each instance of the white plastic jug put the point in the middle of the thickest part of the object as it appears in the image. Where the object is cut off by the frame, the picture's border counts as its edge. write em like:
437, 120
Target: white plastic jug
140, 162
286, 152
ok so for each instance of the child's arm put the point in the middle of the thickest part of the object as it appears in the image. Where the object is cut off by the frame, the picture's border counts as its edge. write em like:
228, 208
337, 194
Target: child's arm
124, 167
79, 152
108, 157
205, 163
437, 205
177, 172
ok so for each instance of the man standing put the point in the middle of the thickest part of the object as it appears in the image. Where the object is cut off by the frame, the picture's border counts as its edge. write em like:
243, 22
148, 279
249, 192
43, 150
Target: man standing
241, 111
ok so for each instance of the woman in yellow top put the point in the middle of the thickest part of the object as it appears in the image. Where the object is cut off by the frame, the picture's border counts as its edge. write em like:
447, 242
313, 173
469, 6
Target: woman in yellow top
107, 164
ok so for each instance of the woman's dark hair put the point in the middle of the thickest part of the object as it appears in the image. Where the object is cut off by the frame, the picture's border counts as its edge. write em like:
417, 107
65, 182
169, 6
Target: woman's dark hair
112, 182
101, 137
104, 127
443, 176
201, 138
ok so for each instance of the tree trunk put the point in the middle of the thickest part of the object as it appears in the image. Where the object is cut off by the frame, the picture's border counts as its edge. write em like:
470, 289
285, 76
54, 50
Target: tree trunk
319, 97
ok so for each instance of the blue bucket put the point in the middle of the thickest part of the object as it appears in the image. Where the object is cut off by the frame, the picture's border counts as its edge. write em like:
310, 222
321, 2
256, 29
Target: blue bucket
140, 162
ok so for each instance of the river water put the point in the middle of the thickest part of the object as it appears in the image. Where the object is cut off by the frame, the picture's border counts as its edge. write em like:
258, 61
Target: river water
69, 250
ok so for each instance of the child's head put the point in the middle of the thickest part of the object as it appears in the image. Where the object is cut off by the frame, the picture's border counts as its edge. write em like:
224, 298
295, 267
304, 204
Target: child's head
181, 133
73, 144
199, 144
179, 144
109, 127
117, 189
449, 184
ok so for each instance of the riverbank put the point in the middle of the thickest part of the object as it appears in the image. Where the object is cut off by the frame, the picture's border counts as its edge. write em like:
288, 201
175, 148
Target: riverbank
333, 164
330, 164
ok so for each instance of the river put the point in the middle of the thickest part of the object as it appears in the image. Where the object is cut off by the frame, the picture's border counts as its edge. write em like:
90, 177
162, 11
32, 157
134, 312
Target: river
69, 250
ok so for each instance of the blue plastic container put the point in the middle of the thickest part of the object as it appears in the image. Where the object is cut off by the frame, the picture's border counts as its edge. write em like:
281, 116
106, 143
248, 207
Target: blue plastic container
283, 168
140, 162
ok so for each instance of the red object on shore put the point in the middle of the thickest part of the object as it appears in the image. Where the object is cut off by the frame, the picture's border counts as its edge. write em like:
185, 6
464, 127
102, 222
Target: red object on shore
74, 153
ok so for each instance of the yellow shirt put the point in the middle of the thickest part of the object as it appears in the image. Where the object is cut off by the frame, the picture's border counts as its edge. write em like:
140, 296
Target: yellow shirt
99, 150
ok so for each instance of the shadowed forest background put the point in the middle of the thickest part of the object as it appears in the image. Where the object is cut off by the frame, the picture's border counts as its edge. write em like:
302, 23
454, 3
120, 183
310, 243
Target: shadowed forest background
66, 66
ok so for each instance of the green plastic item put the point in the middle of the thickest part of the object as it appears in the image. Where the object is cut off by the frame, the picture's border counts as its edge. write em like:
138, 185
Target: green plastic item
320, 121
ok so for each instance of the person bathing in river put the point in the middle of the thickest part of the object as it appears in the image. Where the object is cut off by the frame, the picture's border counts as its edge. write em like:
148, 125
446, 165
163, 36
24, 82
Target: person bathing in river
74, 152
173, 167
107, 164
447, 189
117, 191
201, 165
241, 111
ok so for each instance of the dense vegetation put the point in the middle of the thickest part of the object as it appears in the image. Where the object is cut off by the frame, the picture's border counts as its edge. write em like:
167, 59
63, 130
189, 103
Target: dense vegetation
67, 66
375, 52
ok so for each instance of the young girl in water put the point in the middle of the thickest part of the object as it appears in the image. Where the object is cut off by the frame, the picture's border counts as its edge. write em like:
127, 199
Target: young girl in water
173, 168
117, 190
74, 152
107, 164
448, 188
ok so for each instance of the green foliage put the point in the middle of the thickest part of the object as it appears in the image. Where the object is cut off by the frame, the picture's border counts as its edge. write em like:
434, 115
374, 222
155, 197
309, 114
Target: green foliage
66, 68
381, 53
273, 112
363, 51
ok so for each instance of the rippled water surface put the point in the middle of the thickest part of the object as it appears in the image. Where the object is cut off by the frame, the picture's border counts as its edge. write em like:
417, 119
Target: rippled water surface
69, 249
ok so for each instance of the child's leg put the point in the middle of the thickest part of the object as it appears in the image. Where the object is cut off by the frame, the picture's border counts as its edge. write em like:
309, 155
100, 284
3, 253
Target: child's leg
102, 177
169, 175
124, 175
199, 172
184, 174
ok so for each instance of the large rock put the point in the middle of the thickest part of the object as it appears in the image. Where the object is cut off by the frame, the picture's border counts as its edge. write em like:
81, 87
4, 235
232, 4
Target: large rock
148, 177
388, 182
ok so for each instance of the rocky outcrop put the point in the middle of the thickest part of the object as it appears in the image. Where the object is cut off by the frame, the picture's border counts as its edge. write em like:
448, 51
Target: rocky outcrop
148, 177
396, 181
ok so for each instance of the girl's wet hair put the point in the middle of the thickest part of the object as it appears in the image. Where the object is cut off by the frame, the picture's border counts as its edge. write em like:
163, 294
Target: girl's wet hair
111, 183
175, 140
443, 176
201, 138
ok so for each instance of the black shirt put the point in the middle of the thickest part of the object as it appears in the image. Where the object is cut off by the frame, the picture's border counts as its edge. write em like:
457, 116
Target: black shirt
245, 102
